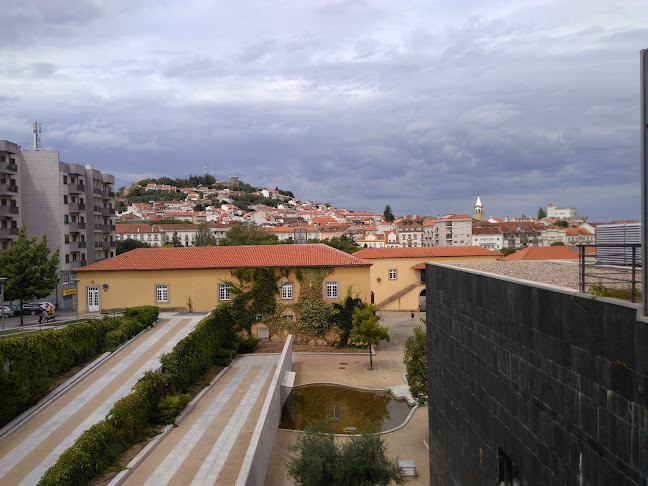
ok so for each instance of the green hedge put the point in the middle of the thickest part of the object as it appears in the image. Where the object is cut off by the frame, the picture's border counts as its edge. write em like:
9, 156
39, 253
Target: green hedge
28, 364
156, 398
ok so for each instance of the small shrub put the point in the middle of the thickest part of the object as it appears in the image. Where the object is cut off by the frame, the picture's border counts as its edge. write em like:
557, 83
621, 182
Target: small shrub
170, 406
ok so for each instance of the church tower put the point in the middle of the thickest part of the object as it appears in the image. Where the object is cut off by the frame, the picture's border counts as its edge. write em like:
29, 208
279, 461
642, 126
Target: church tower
479, 210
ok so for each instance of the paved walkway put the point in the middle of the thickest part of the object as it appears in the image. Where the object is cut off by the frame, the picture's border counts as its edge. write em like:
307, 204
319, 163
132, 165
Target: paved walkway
405, 443
209, 445
27, 453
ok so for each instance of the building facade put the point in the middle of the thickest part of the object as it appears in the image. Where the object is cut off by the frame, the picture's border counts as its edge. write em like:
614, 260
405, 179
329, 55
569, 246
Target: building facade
73, 205
453, 230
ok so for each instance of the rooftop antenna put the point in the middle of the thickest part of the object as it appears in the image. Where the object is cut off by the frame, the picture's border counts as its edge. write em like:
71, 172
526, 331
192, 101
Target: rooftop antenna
36, 128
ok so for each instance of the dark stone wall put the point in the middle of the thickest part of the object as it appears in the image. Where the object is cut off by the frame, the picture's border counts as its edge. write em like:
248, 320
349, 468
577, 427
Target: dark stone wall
555, 380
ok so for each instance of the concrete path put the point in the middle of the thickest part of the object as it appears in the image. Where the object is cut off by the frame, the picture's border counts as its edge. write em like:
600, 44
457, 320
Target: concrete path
28, 452
209, 445
405, 443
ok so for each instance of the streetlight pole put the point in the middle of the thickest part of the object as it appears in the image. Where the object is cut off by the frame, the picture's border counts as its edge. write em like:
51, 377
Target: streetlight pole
76, 281
3, 280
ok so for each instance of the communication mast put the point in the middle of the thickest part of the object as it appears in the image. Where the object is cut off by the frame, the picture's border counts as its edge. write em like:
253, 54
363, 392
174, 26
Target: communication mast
36, 127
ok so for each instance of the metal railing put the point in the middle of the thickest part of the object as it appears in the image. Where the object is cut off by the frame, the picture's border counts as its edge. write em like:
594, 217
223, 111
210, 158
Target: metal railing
611, 269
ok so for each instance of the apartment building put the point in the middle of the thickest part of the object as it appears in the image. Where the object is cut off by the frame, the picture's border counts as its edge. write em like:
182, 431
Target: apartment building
455, 230
9, 207
74, 205
410, 233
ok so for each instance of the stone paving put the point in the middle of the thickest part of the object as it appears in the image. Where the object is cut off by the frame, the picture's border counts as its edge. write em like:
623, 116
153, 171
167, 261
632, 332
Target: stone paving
209, 444
29, 451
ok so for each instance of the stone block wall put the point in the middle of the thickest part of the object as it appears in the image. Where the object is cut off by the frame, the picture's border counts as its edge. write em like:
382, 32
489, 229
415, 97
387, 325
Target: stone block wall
533, 381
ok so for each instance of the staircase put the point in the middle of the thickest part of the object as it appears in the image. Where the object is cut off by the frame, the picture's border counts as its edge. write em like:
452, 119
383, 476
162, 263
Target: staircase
397, 295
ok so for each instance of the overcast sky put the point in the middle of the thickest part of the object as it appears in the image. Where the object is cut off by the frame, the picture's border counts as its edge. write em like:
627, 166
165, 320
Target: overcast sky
417, 104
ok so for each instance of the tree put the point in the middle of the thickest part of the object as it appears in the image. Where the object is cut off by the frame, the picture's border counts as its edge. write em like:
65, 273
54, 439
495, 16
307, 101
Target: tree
31, 273
175, 240
129, 244
415, 360
342, 317
561, 223
367, 329
388, 215
248, 234
316, 460
557, 243
507, 251
204, 237
541, 213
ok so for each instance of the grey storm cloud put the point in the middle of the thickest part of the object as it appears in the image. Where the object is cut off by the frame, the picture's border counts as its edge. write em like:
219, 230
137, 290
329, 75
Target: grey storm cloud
421, 105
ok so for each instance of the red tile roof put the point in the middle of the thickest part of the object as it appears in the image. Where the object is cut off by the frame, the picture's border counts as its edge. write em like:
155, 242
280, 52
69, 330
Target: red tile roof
558, 252
316, 255
424, 252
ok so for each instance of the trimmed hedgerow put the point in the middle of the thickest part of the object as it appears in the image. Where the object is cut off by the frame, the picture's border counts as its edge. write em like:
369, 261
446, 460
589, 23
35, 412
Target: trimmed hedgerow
156, 398
28, 364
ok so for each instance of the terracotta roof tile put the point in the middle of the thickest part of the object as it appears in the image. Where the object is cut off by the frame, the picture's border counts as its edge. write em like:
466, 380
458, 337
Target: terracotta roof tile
424, 252
558, 252
316, 255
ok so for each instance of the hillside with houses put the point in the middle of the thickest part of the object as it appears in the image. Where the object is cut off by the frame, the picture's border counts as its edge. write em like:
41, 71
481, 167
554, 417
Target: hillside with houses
173, 215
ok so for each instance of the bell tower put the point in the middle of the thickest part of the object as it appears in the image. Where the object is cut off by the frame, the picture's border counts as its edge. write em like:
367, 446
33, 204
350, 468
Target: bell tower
479, 210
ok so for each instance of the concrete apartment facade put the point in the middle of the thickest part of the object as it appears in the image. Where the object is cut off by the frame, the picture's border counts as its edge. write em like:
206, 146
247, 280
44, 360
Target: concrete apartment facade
453, 230
9, 196
74, 205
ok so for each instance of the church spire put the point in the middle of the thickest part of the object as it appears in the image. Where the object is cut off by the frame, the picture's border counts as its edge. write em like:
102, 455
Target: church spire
479, 210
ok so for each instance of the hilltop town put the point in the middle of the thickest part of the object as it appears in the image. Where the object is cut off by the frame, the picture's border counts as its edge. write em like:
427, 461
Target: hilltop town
222, 204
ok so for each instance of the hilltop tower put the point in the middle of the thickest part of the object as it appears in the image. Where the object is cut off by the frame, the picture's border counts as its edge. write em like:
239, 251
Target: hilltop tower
479, 210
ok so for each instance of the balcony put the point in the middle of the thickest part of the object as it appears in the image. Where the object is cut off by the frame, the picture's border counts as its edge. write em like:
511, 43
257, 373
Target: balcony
75, 227
8, 189
8, 211
107, 194
76, 207
107, 228
77, 264
107, 211
8, 168
8, 233
76, 188
77, 245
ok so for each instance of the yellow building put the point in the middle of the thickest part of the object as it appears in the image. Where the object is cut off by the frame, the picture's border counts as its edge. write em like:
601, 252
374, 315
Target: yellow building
398, 274
178, 279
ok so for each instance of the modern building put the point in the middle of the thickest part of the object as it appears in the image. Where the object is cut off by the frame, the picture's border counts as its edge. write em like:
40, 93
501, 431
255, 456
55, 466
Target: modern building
455, 230
73, 205
490, 238
9, 196
553, 211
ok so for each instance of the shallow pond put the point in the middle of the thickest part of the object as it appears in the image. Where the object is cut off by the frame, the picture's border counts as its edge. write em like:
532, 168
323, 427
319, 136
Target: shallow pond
348, 408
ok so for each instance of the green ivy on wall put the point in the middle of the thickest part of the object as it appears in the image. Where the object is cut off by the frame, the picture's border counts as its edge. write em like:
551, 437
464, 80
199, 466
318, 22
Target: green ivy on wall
313, 312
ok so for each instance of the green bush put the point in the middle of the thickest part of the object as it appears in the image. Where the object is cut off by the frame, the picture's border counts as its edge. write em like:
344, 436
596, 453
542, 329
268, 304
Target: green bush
156, 397
28, 364
170, 406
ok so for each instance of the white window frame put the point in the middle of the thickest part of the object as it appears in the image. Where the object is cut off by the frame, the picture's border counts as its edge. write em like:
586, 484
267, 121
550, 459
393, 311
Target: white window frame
287, 291
332, 289
161, 294
393, 274
258, 317
224, 292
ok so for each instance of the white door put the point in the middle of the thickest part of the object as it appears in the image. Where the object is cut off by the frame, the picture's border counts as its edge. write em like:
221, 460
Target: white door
93, 299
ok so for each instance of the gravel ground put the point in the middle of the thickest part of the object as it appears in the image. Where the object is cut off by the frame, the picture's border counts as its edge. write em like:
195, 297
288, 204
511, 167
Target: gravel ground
554, 273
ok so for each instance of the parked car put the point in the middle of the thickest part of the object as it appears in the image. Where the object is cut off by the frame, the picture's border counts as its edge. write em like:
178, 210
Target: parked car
32, 308
16, 309
7, 312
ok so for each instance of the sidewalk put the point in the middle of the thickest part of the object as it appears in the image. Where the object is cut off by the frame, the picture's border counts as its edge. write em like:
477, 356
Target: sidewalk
30, 450
405, 443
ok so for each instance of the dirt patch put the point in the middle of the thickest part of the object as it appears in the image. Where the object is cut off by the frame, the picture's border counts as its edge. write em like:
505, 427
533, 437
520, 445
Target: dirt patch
63, 377
130, 454
304, 348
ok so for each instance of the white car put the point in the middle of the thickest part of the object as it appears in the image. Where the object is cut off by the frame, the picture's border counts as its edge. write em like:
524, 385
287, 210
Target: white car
7, 312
